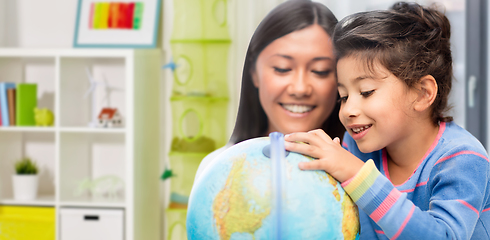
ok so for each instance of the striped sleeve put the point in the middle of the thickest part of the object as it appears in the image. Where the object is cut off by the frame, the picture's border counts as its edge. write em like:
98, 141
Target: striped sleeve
378, 198
400, 218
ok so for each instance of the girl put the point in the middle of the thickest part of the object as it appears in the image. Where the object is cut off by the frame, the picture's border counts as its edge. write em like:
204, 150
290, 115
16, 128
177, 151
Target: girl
413, 173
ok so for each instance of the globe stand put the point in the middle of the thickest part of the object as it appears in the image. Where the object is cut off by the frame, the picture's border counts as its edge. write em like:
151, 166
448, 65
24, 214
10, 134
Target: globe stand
267, 151
277, 156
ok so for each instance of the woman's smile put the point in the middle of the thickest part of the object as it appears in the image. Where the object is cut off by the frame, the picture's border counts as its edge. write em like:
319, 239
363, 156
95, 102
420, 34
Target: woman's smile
297, 108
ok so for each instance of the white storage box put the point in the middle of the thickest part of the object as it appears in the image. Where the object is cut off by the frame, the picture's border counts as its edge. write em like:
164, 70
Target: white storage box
93, 224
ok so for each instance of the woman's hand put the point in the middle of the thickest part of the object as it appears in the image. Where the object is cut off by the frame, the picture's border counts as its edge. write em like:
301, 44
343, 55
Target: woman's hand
331, 157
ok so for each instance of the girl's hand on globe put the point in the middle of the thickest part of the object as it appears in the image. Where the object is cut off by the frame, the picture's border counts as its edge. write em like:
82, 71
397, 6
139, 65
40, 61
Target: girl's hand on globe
329, 155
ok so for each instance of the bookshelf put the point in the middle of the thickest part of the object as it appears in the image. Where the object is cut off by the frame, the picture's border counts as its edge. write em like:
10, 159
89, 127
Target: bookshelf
71, 150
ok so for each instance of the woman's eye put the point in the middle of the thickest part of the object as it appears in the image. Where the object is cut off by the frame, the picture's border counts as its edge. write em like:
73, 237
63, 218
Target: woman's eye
367, 93
282, 70
342, 99
322, 73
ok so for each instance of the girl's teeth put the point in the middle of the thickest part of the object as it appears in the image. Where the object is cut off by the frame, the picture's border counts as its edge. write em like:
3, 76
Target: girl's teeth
358, 130
297, 108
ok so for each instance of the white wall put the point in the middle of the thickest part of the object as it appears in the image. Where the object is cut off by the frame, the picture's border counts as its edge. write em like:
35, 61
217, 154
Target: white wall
2, 22
38, 24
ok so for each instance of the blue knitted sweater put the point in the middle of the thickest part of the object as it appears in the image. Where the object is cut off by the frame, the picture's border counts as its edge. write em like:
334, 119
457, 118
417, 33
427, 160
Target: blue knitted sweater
447, 196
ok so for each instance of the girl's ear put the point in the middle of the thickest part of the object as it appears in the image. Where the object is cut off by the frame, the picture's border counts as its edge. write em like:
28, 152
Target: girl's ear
427, 92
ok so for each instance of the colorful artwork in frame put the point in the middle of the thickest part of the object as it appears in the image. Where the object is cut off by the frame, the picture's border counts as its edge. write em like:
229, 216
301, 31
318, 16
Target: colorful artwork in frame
118, 24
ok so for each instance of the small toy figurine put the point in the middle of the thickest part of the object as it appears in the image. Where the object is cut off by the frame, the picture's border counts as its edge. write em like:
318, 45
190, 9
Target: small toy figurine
108, 186
43, 117
109, 117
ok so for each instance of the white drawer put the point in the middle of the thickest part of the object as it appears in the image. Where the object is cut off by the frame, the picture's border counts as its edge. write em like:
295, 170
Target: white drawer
91, 224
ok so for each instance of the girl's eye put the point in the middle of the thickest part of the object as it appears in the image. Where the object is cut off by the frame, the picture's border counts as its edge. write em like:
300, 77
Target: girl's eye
367, 93
281, 70
322, 73
342, 99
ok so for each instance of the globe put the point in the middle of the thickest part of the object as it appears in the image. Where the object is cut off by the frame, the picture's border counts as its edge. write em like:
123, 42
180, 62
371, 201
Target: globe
255, 190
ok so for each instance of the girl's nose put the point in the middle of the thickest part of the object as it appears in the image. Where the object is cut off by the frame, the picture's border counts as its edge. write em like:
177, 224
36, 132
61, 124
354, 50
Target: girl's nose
349, 109
300, 86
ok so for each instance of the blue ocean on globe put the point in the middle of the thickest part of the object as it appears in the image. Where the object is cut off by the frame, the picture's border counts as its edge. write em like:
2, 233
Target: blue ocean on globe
255, 190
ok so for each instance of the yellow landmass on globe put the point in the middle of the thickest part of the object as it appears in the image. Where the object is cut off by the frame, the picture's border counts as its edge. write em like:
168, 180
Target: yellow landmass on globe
335, 191
333, 182
350, 221
235, 212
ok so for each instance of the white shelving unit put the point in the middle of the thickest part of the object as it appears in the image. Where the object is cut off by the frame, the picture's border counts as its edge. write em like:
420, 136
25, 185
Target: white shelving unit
71, 151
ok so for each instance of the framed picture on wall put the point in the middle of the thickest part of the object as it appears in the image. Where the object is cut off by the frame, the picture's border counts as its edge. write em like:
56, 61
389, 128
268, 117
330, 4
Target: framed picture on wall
117, 24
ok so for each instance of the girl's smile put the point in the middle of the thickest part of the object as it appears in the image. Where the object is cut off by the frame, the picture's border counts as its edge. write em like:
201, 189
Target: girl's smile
358, 131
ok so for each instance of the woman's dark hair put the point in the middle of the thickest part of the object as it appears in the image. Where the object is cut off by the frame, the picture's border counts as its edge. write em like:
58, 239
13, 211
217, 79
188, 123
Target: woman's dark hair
409, 40
286, 18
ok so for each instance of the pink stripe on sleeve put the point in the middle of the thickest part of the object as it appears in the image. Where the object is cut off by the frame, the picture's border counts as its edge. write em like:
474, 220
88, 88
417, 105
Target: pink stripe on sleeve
468, 205
484, 210
416, 186
404, 223
345, 183
385, 206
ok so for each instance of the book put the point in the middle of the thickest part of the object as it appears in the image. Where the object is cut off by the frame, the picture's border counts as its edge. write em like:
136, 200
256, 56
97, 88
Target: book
4, 86
11, 103
26, 102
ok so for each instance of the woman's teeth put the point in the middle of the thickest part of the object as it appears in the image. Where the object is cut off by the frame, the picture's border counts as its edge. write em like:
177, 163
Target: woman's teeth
360, 129
297, 108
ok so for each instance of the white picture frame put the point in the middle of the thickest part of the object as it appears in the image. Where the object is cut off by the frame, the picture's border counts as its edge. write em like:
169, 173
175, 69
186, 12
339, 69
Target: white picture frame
117, 23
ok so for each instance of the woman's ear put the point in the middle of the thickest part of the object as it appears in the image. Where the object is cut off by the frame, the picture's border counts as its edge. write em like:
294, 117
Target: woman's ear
427, 92
255, 80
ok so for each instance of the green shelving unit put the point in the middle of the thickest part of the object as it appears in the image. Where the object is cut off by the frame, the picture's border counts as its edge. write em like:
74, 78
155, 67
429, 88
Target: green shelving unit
201, 68
198, 123
199, 43
176, 219
198, 20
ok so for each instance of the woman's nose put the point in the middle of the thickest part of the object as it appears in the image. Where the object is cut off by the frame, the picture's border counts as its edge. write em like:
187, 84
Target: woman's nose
300, 85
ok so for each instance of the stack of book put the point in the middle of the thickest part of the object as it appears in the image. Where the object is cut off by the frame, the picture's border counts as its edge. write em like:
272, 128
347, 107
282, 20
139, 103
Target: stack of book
17, 104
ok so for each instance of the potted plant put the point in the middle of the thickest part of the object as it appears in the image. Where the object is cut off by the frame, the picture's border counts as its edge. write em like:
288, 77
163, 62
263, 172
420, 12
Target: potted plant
25, 180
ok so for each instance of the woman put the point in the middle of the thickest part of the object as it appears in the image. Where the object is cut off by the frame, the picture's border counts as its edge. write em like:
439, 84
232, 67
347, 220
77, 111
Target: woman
289, 81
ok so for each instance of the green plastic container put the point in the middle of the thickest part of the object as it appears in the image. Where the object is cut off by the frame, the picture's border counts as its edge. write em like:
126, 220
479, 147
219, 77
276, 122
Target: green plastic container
175, 221
198, 124
184, 166
200, 20
201, 69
